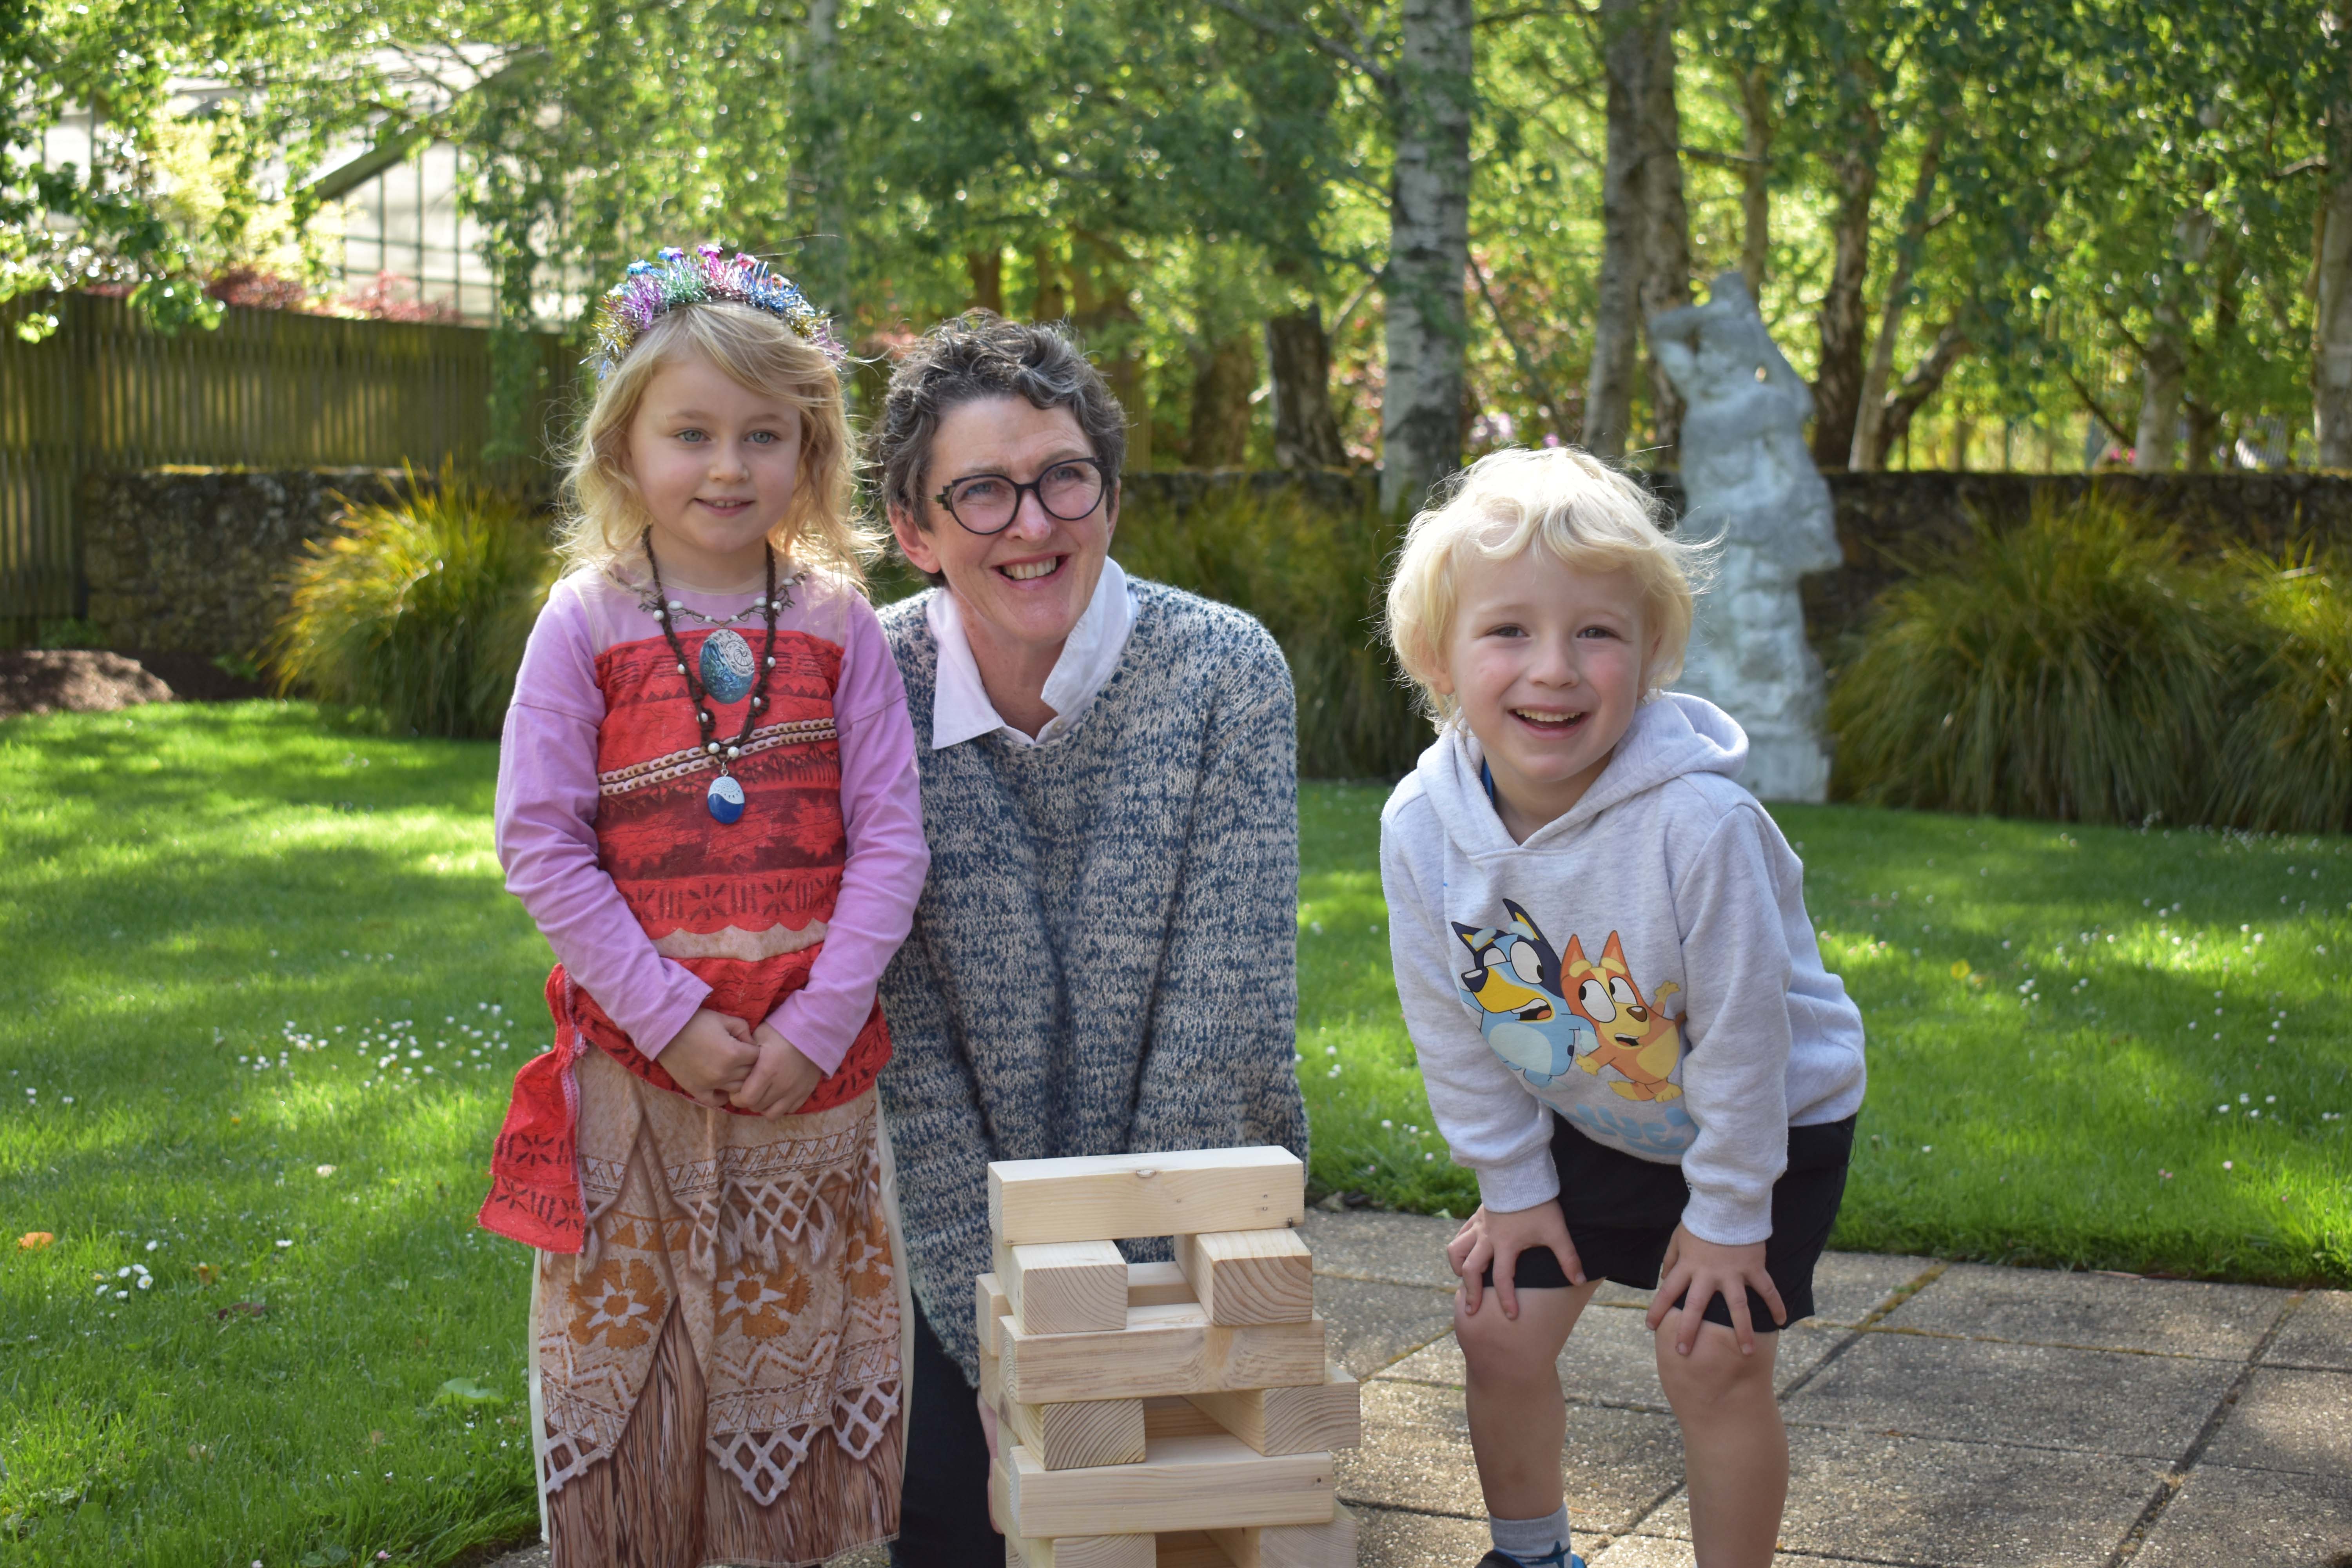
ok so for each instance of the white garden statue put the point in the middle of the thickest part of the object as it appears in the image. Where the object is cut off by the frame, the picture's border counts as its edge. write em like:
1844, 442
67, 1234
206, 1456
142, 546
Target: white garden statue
1748, 480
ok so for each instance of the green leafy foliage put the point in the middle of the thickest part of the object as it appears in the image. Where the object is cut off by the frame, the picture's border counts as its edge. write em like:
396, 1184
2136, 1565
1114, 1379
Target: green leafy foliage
2072, 667
419, 609
1312, 571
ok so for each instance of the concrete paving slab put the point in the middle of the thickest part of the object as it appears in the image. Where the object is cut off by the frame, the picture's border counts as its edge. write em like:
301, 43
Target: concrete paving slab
2318, 1335
1394, 1249
2226, 1517
1953, 1505
1416, 1455
1804, 1348
1611, 1358
1847, 1287
1392, 1538
1658, 1552
1608, 1358
1850, 1286
1974, 1392
2106, 1311
1399, 1249
1371, 1325
2289, 1420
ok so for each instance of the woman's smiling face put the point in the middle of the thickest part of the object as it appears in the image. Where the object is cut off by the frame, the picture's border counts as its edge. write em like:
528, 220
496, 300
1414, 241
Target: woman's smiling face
1026, 586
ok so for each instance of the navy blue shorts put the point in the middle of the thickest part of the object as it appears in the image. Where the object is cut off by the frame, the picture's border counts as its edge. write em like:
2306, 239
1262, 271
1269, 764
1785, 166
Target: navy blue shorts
1642, 1201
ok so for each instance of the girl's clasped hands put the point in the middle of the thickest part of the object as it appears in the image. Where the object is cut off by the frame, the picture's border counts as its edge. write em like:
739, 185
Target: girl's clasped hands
721, 1060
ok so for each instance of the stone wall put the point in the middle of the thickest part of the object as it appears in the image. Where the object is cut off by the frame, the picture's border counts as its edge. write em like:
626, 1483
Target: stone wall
196, 559
1890, 524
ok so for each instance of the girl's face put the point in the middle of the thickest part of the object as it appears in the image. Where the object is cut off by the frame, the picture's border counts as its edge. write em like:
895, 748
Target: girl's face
715, 463
1546, 664
1023, 588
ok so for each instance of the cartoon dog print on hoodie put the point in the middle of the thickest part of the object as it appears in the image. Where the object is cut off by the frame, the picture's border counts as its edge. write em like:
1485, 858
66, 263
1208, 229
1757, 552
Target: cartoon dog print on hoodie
1634, 1048
1514, 981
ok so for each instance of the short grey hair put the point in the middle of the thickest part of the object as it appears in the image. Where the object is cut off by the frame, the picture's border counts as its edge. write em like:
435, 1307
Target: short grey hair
981, 354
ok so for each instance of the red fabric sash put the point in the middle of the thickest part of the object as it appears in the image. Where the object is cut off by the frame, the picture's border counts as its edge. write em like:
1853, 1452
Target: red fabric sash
682, 871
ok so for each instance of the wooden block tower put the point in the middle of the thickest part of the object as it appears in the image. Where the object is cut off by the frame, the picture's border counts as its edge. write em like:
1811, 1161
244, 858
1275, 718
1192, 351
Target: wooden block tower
1161, 1415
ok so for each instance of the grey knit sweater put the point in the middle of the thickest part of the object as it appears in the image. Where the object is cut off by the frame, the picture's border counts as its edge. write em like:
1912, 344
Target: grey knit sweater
1105, 957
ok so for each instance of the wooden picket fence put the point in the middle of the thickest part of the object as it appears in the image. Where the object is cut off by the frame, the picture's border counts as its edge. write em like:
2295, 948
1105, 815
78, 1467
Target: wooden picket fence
266, 389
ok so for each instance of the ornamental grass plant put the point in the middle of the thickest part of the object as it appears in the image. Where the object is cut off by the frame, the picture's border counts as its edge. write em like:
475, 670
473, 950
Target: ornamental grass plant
2075, 666
2285, 758
417, 611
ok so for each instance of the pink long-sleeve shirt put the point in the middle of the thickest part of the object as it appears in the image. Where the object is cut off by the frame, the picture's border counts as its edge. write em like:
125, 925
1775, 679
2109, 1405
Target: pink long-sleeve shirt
547, 798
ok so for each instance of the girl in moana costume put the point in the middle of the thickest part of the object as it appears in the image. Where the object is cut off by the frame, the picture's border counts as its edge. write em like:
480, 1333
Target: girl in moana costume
708, 800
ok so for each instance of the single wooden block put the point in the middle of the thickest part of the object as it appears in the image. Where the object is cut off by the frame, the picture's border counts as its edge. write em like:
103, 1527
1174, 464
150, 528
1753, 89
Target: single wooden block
1084, 1432
1065, 1287
1110, 1197
1080, 1552
1162, 1350
1181, 1482
1250, 1275
1331, 1544
992, 1377
1291, 1420
990, 1304
1157, 1285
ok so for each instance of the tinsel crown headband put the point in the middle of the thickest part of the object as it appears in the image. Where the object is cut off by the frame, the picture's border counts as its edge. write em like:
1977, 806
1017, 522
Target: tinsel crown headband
653, 288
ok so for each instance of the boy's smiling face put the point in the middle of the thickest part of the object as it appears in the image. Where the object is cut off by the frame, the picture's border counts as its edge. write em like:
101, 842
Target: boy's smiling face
1547, 663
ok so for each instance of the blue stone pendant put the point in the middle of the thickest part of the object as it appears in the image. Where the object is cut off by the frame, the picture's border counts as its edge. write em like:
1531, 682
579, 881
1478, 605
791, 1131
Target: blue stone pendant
727, 667
726, 798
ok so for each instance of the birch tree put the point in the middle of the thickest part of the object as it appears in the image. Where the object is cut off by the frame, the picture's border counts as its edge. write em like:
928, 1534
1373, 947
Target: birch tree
1429, 250
2331, 268
1646, 226
1420, 64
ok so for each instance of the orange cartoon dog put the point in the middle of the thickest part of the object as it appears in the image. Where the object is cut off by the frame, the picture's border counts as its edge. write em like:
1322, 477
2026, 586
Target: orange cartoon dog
1635, 1049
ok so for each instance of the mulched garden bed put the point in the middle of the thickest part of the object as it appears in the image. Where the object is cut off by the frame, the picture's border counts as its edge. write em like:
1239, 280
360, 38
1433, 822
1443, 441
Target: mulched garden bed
89, 680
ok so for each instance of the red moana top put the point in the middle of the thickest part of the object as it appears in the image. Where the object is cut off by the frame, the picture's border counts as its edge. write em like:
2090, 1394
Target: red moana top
653, 906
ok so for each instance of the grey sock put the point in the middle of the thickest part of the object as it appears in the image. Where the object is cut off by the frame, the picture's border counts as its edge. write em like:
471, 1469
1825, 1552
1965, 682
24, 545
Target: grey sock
1536, 1542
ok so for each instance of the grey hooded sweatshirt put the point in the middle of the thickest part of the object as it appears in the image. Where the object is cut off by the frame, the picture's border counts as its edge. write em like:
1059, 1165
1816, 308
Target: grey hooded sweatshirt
1642, 965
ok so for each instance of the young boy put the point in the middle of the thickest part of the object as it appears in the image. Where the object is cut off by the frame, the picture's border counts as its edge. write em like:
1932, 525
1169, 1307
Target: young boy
1570, 859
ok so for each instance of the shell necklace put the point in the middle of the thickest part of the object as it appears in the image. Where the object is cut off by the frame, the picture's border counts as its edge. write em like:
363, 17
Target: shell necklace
728, 672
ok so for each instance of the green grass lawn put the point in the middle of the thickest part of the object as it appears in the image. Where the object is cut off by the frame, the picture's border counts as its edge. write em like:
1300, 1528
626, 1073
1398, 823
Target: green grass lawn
262, 996
2090, 1048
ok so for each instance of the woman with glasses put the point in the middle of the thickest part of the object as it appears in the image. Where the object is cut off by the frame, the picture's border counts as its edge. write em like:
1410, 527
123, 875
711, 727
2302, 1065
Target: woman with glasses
1104, 957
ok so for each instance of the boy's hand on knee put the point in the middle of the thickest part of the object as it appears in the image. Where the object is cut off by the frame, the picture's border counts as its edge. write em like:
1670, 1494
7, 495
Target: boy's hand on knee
1695, 1271
712, 1057
782, 1079
1494, 1238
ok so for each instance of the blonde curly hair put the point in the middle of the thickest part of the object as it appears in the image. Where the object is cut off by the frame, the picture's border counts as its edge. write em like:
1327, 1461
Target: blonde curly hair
1573, 506
604, 513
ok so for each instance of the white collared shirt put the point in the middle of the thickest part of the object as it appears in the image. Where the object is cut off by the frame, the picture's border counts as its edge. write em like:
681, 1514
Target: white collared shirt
961, 709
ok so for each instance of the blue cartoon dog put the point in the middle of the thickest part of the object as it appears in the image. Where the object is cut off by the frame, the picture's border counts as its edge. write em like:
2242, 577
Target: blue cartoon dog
1514, 983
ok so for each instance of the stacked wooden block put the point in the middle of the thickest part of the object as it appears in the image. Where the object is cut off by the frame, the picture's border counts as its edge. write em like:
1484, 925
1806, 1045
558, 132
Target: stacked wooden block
1180, 1413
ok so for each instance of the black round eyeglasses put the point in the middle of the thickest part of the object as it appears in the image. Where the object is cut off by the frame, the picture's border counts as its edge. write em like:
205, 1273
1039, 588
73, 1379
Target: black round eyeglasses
986, 504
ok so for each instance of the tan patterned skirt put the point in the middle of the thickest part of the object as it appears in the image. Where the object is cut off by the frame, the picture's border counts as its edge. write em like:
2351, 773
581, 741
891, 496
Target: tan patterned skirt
718, 1376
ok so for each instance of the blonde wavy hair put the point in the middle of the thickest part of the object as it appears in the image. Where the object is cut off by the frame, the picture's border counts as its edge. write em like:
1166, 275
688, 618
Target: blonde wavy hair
1573, 506
604, 514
